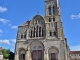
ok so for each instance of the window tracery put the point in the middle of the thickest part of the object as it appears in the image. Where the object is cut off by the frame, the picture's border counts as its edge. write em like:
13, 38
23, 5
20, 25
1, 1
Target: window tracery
53, 9
37, 30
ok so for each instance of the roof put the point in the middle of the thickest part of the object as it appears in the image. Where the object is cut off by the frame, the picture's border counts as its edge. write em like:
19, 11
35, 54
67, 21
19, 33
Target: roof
74, 52
36, 16
26, 23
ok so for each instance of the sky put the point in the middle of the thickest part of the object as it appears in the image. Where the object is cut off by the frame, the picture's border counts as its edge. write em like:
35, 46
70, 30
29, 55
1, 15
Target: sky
14, 13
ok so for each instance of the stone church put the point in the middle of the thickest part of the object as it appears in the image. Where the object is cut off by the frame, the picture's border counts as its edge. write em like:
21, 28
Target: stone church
42, 38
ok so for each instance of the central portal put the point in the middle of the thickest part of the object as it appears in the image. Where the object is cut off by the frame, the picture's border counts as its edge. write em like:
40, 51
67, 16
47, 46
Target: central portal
37, 55
37, 51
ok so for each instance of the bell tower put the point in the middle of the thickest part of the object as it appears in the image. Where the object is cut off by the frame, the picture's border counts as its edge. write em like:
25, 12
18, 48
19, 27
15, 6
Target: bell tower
52, 7
52, 19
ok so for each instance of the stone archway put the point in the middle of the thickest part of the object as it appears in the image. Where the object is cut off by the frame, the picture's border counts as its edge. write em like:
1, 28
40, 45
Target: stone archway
53, 53
37, 50
21, 54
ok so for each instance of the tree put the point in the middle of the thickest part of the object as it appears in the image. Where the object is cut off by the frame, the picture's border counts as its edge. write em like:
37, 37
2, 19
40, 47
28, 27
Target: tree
5, 53
11, 56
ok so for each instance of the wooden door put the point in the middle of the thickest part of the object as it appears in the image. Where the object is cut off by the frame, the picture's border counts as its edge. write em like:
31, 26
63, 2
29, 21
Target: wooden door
37, 55
53, 56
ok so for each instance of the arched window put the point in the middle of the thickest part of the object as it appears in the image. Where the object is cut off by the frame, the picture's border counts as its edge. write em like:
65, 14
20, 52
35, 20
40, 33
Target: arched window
55, 24
49, 10
25, 36
53, 10
49, 19
42, 32
50, 33
35, 27
21, 36
34, 32
31, 33
53, 19
55, 34
39, 31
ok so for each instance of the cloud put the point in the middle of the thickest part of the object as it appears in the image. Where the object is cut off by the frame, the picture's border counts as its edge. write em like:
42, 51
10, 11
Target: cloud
75, 16
3, 9
4, 21
1, 31
13, 40
75, 48
14, 27
5, 42
10, 42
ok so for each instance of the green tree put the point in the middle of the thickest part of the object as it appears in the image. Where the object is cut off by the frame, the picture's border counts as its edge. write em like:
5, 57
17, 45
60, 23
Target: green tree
6, 53
11, 56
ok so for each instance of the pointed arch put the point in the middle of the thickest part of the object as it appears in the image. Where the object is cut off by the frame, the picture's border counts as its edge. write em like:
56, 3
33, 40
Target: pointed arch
53, 53
54, 10
24, 35
49, 10
21, 36
50, 33
31, 34
39, 31
22, 53
49, 19
34, 32
37, 50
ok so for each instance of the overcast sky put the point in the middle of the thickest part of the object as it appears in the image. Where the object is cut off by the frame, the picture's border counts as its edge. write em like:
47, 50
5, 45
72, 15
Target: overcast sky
15, 12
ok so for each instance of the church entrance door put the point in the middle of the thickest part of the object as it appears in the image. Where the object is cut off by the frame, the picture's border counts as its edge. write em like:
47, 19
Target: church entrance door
37, 55
53, 56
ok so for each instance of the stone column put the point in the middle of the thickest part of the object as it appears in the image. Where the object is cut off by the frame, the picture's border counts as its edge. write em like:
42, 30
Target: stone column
32, 33
38, 32
52, 10
26, 55
30, 55
17, 55
47, 11
35, 33
41, 31
29, 33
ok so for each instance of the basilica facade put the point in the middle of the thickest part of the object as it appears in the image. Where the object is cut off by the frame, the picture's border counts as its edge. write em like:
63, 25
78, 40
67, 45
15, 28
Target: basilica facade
42, 38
